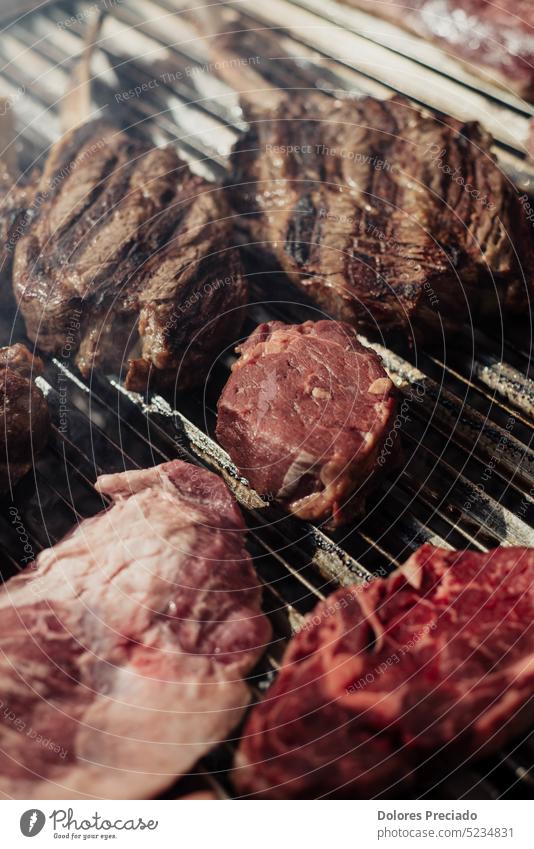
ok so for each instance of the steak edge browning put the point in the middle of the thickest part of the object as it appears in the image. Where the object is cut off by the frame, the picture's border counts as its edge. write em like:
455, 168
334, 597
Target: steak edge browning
438, 658
128, 246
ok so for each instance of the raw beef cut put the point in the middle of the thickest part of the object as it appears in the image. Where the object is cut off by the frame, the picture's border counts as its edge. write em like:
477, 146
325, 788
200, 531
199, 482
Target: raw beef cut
122, 241
16, 191
123, 650
437, 658
305, 416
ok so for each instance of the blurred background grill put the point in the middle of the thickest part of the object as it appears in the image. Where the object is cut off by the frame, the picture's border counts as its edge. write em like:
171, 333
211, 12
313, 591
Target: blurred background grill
469, 474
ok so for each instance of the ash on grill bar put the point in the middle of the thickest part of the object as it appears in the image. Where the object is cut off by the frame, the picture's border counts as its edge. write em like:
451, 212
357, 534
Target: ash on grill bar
266, 400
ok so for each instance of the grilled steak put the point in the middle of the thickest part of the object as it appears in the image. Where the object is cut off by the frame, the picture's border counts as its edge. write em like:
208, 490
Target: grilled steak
305, 415
125, 239
15, 195
440, 656
15, 198
24, 418
496, 41
384, 215
124, 648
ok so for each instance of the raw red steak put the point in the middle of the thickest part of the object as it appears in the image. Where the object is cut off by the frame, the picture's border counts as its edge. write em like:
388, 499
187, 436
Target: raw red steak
305, 415
441, 654
123, 651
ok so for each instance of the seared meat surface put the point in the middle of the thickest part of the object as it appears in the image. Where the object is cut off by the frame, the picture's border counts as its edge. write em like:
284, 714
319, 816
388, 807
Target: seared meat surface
305, 416
385, 215
15, 198
495, 38
124, 239
438, 658
24, 417
124, 648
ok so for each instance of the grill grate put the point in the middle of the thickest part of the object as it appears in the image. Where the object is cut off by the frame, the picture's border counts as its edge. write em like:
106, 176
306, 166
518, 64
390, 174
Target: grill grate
477, 401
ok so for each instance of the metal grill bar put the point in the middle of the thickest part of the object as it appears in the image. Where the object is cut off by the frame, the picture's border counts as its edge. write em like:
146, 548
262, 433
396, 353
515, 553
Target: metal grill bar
457, 432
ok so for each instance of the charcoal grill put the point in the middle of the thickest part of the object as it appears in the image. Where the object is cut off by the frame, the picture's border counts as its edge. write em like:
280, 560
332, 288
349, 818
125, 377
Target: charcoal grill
469, 474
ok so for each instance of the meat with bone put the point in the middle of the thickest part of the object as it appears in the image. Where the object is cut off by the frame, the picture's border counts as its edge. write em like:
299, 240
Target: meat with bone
124, 648
305, 415
495, 40
127, 237
385, 215
24, 417
439, 657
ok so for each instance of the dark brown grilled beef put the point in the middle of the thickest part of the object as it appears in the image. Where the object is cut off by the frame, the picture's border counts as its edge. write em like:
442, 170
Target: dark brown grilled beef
15, 198
305, 416
127, 243
383, 214
495, 40
24, 419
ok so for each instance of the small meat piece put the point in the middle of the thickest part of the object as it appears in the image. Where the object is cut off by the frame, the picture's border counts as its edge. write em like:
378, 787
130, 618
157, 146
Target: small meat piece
383, 214
437, 658
304, 416
24, 416
494, 39
123, 650
127, 244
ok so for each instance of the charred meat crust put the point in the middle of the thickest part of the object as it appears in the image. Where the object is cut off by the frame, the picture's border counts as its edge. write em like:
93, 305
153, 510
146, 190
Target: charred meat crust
385, 215
135, 252
15, 201
496, 41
